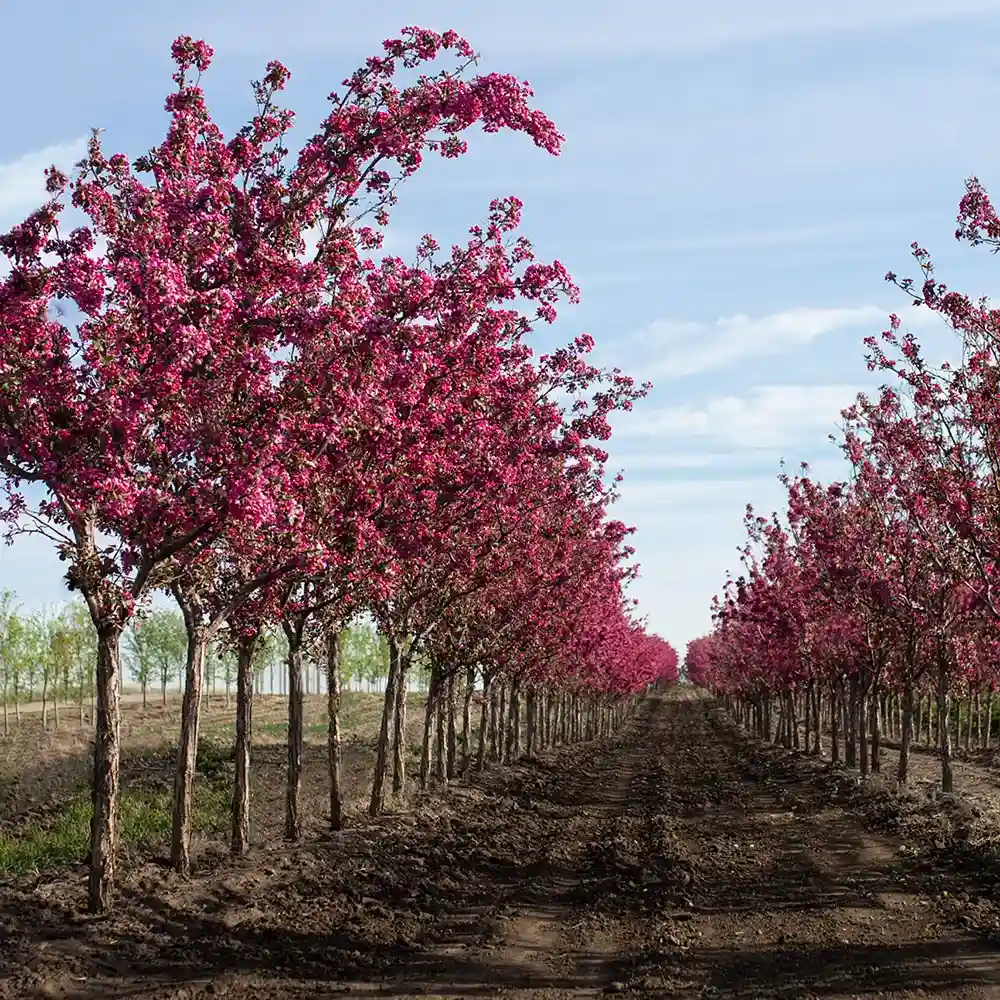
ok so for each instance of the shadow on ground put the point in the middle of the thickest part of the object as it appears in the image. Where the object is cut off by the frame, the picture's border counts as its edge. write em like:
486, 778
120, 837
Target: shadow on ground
676, 859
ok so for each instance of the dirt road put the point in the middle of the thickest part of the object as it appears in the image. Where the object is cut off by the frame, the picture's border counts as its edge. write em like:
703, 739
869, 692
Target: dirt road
678, 861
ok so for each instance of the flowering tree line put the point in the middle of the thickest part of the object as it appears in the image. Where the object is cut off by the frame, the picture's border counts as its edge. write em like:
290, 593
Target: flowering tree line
870, 609
213, 389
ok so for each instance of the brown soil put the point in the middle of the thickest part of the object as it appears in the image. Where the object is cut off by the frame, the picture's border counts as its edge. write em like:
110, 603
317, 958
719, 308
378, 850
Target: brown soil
678, 859
40, 768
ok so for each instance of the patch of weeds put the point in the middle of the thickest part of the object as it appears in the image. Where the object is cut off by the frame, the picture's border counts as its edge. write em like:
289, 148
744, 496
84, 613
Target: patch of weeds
215, 757
281, 728
144, 818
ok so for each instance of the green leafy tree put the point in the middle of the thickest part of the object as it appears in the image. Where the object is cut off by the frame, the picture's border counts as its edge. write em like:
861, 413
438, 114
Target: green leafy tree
364, 656
227, 668
31, 671
16, 628
59, 661
82, 643
156, 646
265, 654
140, 655
37, 657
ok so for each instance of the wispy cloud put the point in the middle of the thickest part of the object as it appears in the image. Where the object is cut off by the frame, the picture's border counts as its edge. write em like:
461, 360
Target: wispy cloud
22, 181
682, 491
646, 460
770, 417
679, 348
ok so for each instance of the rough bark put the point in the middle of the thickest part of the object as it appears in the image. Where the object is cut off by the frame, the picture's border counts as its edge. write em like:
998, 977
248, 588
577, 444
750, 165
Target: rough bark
107, 760
451, 768
876, 735
988, 734
383, 749
399, 735
484, 722
425, 746
470, 686
947, 778
440, 752
187, 750
240, 842
333, 742
296, 729
834, 724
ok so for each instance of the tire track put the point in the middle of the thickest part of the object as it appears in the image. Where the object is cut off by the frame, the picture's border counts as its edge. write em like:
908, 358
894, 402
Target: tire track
787, 895
677, 859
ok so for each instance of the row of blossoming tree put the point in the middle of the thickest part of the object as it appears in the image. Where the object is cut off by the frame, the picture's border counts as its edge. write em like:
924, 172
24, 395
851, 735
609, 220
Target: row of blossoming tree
870, 609
213, 388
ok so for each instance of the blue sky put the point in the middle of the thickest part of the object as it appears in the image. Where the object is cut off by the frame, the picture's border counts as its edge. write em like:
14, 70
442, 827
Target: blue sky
736, 181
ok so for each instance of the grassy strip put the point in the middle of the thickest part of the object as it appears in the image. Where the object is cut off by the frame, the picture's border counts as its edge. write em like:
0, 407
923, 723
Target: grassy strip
144, 818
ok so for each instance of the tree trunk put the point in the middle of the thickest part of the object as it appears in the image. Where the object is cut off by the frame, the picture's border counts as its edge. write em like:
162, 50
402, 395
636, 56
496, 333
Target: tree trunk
530, 709
240, 843
500, 725
977, 709
988, 734
333, 729
440, 750
429, 710
399, 741
470, 687
386, 731
107, 760
452, 736
807, 723
863, 723
817, 720
296, 730
876, 733
947, 778
851, 724
187, 750
968, 721
906, 738
834, 724
484, 722
515, 721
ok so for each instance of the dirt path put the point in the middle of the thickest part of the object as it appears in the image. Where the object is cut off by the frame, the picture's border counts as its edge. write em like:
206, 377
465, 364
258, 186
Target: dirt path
677, 860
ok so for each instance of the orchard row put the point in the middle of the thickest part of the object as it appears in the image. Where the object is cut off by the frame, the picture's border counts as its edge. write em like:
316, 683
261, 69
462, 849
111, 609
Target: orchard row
212, 388
873, 604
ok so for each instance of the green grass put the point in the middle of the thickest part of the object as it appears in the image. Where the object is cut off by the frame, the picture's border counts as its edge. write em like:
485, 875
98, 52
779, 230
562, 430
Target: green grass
280, 728
144, 818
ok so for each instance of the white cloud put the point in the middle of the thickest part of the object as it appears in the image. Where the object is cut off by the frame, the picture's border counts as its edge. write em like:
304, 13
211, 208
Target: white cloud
679, 348
655, 460
771, 417
22, 181
682, 491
